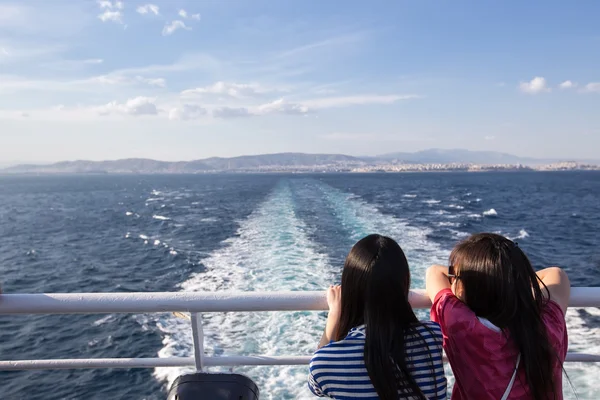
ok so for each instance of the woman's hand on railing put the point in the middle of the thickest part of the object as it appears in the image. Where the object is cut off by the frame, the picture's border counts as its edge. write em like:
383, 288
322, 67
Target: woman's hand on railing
334, 301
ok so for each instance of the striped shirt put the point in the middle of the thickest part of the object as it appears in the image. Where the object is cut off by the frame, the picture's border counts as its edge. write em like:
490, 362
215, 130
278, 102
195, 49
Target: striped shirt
338, 370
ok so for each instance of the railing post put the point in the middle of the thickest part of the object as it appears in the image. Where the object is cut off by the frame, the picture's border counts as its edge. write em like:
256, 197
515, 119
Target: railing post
198, 335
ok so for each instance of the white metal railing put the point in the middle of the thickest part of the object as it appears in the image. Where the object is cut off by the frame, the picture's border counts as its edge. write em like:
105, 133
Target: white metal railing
196, 303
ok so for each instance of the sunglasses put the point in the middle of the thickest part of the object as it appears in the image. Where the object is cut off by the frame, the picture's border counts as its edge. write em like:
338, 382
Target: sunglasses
452, 274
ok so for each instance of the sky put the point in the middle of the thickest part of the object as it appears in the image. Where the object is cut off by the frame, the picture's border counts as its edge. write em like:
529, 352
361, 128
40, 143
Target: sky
188, 79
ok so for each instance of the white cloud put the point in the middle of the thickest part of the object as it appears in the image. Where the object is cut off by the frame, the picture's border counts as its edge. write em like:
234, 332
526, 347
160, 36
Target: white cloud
184, 14
567, 85
345, 101
236, 90
148, 8
282, 107
231, 112
592, 87
276, 107
159, 82
112, 11
187, 112
169, 29
116, 79
136, 106
536, 85
71, 65
490, 137
115, 16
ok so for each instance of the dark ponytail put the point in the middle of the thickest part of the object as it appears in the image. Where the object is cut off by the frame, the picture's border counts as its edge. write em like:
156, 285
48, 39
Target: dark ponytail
375, 285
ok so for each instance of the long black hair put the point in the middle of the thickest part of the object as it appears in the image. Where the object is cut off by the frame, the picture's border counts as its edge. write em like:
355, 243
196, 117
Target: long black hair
375, 286
500, 284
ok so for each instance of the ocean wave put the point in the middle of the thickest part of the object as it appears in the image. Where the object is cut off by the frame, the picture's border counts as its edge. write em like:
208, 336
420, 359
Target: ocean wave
522, 234
129, 213
143, 237
104, 320
209, 219
473, 215
490, 213
432, 201
161, 218
460, 234
446, 223
410, 196
456, 206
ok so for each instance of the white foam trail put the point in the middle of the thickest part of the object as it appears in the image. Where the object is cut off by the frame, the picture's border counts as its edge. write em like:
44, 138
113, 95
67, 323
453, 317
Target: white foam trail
362, 218
161, 218
410, 196
143, 237
456, 206
584, 337
432, 201
129, 213
490, 213
157, 242
271, 251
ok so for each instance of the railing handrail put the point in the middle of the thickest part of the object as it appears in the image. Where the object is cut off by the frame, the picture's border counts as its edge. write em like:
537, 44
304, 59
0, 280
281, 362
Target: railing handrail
152, 302
197, 303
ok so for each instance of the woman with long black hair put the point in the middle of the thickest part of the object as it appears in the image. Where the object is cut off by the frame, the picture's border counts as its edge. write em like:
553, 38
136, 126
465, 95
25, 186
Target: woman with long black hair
504, 324
374, 347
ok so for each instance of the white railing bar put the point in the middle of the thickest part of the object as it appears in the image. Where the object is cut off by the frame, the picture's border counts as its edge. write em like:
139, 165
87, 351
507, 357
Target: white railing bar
198, 336
222, 361
149, 302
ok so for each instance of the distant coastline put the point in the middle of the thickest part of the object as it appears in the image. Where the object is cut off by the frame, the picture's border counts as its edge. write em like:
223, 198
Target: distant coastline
434, 160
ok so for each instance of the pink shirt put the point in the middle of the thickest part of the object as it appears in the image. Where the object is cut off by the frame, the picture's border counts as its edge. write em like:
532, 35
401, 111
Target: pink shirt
483, 359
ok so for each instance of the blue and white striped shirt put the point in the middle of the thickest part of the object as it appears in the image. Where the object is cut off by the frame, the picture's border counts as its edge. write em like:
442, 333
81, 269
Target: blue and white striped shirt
338, 370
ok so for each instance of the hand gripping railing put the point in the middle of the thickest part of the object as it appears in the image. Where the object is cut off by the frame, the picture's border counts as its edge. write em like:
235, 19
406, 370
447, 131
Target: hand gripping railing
197, 303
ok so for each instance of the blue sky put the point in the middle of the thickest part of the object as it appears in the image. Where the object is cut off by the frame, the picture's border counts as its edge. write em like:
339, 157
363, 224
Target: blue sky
179, 80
